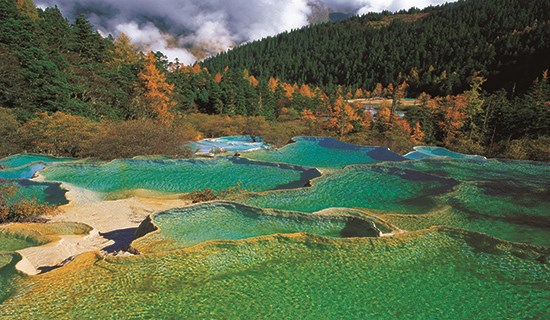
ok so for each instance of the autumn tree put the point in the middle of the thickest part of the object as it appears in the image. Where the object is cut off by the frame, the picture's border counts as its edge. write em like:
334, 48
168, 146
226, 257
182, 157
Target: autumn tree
218, 77
417, 135
378, 90
124, 52
383, 118
311, 121
157, 92
126, 139
454, 112
27, 8
397, 93
342, 117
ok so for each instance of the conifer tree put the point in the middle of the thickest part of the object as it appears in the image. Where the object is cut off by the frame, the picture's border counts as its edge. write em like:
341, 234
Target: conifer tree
157, 92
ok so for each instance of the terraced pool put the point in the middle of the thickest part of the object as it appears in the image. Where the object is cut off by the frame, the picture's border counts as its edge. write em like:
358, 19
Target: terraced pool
321, 152
463, 237
181, 176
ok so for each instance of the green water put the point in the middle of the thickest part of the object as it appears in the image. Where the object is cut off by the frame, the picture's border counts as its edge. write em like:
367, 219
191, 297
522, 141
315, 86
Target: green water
8, 274
11, 242
23, 172
180, 176
324, 153
253, 271
24, 166
424, 152
231, 221
436, 274
24, 159
366, 186
535, 174
506, 199
42, 192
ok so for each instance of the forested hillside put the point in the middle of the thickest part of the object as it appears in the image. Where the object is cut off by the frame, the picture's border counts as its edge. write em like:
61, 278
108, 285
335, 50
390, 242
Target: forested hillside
436, 49
66, 90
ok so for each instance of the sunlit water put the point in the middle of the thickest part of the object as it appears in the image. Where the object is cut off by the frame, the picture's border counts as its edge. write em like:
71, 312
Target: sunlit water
181, 176
223, 260
24, 159
435, 274
231, 221
366, 186
24, 166
424, 152
324, 153
229, 144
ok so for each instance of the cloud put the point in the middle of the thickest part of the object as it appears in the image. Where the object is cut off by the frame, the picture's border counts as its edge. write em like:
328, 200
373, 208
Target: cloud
381, 5
190, 29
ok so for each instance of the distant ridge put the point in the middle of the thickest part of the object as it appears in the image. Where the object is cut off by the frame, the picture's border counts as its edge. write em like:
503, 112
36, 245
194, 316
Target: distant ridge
437, 49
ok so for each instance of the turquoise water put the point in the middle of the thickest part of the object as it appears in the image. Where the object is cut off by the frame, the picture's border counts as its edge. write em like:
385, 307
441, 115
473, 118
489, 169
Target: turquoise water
23, 172
524, 217
256, 272
20, 160
527, 172
366, 186
24, 166
231, 221
8, 274
436, 274
506, 199
424, 152
42, 192
11, 242
324, 153
229, 144
180, 176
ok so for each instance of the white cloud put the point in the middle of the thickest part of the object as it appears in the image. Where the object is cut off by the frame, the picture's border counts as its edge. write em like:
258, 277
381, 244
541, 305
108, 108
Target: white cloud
171, 26
149, 37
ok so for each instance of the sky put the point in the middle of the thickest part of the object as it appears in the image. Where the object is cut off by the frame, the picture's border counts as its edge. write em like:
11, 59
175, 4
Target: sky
189, 29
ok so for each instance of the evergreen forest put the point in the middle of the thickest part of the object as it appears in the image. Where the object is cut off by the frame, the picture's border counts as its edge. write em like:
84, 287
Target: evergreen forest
471, 76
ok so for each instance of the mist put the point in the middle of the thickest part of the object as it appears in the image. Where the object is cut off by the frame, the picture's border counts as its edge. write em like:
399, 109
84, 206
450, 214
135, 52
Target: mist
190, 30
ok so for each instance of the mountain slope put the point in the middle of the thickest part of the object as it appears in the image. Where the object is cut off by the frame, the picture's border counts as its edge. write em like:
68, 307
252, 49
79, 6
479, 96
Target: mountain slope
438, 48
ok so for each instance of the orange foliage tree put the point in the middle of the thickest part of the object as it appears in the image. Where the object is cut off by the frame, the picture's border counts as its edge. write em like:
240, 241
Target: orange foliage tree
342, 117
273, 83
218, 77
157, 92
454, 115
417, 134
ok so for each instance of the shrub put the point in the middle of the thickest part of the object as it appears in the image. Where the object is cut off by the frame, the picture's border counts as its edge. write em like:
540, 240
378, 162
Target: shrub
532, 149
201, 196
15, 209
57, 134
210, 195
132, 138
8, 133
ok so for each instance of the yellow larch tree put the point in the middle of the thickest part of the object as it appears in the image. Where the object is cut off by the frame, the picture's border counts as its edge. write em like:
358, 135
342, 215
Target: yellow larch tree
124, 51
157, 92
273, 83
417, 134
342, 117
